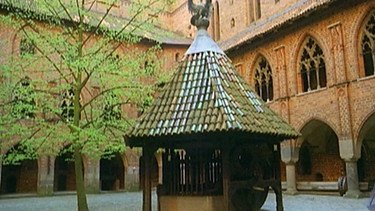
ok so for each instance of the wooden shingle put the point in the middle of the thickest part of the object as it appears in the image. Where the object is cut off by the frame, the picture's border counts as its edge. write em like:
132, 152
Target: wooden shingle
207, 95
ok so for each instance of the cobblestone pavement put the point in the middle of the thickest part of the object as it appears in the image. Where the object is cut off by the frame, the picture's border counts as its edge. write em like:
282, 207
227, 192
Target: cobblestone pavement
132, 201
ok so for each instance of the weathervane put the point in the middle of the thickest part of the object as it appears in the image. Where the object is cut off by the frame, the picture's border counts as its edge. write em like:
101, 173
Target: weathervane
201, 13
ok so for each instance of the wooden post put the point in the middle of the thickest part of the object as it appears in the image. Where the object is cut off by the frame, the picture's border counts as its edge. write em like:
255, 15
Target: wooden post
278, 188
226, 176
147, 186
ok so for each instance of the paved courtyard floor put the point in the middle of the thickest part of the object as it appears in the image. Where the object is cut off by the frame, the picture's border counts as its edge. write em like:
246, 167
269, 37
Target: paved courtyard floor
132, 201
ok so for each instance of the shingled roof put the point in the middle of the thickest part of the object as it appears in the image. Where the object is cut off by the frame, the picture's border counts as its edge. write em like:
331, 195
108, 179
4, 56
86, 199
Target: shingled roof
206, 96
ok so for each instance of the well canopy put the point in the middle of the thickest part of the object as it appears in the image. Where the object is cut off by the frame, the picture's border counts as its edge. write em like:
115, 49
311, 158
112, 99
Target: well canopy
206, 95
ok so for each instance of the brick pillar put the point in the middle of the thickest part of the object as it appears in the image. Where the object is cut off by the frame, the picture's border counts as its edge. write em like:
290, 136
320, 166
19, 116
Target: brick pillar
337, 50
281, 91
46, 166
92, 173
289, 155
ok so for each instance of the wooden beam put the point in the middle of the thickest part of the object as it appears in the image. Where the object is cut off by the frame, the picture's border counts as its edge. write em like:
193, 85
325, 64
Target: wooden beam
226, 175
147, 153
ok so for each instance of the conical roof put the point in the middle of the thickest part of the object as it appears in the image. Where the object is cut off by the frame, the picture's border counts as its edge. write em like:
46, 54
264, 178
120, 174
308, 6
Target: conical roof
206, 95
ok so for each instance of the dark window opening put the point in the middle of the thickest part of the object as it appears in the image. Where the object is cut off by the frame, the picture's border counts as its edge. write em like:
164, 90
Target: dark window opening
312, 66
26, 47
263, 79
67, 105
24, 105
368, 46
112, 108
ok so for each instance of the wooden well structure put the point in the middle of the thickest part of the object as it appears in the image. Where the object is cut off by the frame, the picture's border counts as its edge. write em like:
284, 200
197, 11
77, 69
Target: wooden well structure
220, 141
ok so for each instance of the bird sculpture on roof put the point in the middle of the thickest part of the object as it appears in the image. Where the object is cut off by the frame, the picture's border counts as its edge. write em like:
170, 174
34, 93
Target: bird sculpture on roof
201, 13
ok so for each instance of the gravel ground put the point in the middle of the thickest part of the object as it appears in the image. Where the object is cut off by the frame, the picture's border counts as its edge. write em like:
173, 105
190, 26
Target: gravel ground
132, 201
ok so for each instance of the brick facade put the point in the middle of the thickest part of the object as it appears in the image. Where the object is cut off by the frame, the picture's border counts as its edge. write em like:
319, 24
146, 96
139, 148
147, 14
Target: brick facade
346, 104
344, 107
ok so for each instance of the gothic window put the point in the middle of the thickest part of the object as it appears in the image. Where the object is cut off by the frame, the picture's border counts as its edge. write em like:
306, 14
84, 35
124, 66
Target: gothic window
215, 22
67, 105
312, 66
368, 46
24, 105
149, 68
26, 47
112, 108
257, 10
253, 10
263, 79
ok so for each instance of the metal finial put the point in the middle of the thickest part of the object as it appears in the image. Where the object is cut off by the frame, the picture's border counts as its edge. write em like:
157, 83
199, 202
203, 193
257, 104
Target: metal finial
201, 13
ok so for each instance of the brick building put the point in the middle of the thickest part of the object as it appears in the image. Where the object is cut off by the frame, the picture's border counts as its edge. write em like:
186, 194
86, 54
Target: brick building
54, 172
312, 61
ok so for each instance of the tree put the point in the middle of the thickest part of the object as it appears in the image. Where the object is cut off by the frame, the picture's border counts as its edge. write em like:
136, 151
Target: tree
69, 52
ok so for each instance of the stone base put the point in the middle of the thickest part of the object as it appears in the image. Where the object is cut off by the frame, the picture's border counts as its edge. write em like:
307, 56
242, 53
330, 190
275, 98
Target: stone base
290, 192
353, 194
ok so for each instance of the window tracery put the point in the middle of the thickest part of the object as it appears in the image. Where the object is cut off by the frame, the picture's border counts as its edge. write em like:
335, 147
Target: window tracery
112, 108
263, 79
67, 105
312, 66
24, 105
368, 46
26, 47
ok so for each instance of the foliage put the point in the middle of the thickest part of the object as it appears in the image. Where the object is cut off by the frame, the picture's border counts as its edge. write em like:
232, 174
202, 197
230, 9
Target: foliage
74, 75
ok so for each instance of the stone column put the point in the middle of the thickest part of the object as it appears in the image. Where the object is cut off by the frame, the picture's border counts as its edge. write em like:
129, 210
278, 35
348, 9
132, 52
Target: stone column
291, 185
352, 179
92, 172
348, 153
289, 155
45, 175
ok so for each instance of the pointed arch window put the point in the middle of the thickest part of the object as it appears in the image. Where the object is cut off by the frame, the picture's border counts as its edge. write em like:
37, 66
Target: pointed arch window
253, 10
368, 46
263, 79
215, 22
112, 107
67, 105
312, 66
24, 105
27, 47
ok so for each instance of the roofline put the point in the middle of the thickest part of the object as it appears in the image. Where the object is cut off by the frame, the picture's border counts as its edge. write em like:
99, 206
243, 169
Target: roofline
44, 18
205, 138
275, 22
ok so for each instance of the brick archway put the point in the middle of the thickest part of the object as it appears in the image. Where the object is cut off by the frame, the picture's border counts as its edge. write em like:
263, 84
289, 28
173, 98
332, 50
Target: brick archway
64, 177
319, 157
112, 173
366, 163
19, 178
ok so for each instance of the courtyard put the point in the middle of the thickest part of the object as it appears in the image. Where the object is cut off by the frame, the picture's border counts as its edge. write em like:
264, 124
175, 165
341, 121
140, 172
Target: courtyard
132, 201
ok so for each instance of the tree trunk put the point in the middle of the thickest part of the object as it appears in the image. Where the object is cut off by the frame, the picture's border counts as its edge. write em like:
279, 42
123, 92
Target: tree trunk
80, 186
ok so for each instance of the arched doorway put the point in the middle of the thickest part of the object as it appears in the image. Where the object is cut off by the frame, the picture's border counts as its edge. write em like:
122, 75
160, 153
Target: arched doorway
21, 177
112, 173
366, 164
64, 171
319, 157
